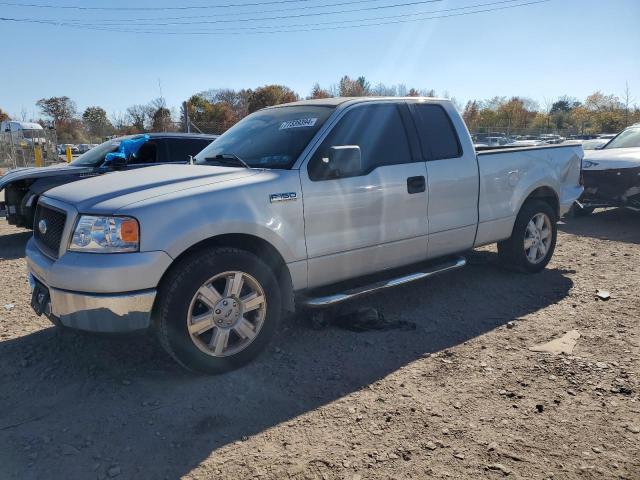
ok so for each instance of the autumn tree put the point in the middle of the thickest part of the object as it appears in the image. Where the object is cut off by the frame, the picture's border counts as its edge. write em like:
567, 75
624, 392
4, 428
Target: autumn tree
270, 95
606, 112
236, 101
210, 117
318, 92
353, 88
471, 114
3, 115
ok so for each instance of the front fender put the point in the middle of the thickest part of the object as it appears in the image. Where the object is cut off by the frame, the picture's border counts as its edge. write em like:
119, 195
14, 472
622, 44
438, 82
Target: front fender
176, 222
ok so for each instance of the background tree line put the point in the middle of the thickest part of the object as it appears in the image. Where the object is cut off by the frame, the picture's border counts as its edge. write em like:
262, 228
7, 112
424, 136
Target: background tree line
599, 113
216, 110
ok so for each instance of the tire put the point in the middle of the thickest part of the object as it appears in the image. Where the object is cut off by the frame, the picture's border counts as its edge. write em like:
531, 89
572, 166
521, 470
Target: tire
513, 251
193, 293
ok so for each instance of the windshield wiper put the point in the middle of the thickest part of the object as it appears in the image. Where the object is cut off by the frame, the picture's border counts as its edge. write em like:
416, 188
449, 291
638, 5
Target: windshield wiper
221, 157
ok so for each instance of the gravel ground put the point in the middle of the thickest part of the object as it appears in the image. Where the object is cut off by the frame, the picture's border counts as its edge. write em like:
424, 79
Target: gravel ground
462, 396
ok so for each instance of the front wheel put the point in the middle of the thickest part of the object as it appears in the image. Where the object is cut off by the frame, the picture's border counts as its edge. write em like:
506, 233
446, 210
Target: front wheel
533, 239
218, 310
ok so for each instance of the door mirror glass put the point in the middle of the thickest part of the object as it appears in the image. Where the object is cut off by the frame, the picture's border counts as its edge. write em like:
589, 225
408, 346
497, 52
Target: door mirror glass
343, 161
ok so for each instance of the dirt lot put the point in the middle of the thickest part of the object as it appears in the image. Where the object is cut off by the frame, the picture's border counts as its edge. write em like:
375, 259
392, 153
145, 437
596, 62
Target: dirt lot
462, 396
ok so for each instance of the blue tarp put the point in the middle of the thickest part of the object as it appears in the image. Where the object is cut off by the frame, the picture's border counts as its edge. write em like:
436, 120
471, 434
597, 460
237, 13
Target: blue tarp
127, 148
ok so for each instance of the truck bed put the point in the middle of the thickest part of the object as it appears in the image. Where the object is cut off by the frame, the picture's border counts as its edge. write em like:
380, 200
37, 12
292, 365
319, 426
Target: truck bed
510, 175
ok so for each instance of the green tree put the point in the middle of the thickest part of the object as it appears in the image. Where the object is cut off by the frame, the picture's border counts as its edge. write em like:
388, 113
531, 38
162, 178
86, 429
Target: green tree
96, 121
161, 119
270, 95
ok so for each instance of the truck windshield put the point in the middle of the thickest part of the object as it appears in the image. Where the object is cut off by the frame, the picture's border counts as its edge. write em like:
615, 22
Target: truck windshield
270, 138
95, 156
628, 139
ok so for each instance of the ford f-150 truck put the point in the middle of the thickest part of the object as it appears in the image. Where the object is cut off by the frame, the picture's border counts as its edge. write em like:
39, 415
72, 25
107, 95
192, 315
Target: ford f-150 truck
302, 205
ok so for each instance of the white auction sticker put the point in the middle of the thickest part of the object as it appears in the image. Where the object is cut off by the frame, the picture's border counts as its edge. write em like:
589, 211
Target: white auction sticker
301, 122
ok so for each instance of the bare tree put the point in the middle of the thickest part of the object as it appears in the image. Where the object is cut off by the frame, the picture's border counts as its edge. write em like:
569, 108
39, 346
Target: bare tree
627, 100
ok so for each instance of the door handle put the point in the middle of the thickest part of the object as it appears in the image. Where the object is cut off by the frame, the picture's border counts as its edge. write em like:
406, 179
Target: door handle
416, 184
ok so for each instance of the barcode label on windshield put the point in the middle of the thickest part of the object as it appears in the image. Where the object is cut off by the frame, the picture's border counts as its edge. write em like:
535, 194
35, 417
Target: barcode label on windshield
302, 122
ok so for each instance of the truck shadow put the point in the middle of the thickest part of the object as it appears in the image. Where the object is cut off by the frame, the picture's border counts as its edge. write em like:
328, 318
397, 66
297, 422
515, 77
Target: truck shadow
615, 224
74, 403
12, 245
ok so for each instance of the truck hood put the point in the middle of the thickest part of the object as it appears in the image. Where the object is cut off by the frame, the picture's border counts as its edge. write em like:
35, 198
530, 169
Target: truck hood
108, 193
611, 159
40, 172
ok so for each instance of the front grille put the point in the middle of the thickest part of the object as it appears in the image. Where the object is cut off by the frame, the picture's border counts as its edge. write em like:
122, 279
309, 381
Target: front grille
53, 225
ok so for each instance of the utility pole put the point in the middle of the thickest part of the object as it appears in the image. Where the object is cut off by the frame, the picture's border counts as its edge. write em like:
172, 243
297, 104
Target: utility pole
187, 120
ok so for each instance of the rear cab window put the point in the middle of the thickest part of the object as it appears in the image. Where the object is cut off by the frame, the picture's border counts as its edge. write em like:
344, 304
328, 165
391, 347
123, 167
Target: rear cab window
438, 137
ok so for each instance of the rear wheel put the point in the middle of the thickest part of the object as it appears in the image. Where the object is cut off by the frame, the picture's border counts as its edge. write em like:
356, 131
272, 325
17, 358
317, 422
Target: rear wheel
218, 310
533, 240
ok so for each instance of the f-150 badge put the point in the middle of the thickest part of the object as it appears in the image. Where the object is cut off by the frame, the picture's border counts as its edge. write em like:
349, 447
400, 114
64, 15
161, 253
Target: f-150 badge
283, 197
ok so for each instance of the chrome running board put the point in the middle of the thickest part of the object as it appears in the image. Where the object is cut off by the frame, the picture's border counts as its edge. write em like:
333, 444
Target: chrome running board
329, 300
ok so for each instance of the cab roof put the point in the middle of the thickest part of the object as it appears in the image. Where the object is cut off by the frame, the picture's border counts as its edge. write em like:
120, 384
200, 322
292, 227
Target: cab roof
337, 101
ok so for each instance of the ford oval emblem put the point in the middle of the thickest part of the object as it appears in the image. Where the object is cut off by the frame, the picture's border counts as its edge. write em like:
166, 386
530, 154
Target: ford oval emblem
42, 226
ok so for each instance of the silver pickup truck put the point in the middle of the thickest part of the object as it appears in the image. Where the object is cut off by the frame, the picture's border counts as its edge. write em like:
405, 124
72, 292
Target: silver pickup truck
306, 204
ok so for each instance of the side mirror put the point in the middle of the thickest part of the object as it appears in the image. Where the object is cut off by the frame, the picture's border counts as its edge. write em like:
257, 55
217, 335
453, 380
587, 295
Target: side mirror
343, 161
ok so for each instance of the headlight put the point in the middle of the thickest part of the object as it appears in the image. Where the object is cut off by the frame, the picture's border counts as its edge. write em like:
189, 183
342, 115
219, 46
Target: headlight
105, 235
588, 164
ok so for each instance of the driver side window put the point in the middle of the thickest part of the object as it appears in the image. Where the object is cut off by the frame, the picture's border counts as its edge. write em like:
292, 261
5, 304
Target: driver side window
148, 153
377, 130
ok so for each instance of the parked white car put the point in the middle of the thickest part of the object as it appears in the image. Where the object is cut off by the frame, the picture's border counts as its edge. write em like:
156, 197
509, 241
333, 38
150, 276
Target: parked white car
612, 174
278, 212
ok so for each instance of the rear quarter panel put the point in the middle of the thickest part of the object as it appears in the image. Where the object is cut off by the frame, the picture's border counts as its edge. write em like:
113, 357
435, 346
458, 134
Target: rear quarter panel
507, 178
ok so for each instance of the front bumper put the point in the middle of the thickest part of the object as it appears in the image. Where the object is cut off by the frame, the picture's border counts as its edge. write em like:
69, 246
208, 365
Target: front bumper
612, 188
107, 313
98, 292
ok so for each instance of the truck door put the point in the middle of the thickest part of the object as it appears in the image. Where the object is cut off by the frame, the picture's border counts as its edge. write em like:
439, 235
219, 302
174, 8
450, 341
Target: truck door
367, 216
452, 180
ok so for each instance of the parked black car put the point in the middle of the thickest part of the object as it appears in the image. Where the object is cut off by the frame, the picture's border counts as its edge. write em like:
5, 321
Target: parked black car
24, 186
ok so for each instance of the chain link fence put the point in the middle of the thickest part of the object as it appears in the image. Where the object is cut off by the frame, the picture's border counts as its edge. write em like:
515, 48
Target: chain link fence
18, 150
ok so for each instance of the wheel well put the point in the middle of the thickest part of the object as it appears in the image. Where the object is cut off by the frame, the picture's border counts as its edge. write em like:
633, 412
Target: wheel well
547, 194
260, 248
